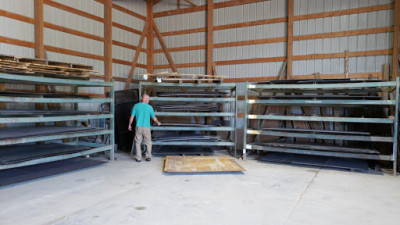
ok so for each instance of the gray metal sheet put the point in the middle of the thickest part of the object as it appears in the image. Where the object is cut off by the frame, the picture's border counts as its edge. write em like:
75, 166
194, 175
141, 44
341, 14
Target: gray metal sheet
19, 132
21, 153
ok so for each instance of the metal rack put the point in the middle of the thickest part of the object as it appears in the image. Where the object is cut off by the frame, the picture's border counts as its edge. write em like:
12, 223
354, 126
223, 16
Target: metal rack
48, 134
292, 95
231, 99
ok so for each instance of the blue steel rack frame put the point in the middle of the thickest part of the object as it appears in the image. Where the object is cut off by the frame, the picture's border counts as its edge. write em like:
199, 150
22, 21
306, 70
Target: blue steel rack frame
94, 147
350, 87
232, 114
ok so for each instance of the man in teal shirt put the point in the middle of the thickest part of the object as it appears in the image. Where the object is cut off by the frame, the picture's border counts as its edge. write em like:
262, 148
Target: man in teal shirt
143, 112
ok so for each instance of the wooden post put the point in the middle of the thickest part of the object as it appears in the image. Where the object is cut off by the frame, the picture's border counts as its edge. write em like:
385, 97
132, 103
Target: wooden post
108, 42
2, 104
150, 38
210, 11
39, 46
164, 47
396, 31
136, 58
289, 40
178, 4
346, 63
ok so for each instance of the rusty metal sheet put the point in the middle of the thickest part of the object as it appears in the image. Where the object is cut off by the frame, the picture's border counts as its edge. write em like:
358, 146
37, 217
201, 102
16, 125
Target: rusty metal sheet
201, 164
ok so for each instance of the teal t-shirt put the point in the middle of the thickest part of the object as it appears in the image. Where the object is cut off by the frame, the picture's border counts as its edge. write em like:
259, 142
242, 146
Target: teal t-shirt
143, 112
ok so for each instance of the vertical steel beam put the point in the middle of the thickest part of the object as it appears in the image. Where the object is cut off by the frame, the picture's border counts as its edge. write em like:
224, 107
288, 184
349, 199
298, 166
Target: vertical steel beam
112, 121
395, 127
396, 30
150, 37
236, 119
39, 45
289, 40
210, 29
245, 120
108, 42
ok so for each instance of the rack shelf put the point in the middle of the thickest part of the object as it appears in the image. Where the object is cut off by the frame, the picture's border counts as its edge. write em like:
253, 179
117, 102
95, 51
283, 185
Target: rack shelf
336, 137
230, 101
49, 134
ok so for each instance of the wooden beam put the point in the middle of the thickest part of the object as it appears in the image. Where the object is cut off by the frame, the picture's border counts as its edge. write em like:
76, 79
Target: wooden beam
39, 44
136, 58
395, 63
191, 3
73, 10
188, 31
16, 16
204, 7
17, 42
290, 40
126, 28
129, 12
129, 46
284, 39
182, 49
164, 47
342, 55
283, 58
108, 42
88, 15
344, 12
210, 13
72, 31
22, 18
38, 13
150, 37
50, 48
185, 65
124, 10
284, 19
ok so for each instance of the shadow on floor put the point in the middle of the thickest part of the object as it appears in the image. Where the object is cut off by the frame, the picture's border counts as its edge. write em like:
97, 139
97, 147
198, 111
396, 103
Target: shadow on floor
27, 173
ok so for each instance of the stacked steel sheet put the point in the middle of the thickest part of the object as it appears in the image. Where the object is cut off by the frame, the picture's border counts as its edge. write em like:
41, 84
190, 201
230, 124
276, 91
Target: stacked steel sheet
186, 137
212, 94
201, 107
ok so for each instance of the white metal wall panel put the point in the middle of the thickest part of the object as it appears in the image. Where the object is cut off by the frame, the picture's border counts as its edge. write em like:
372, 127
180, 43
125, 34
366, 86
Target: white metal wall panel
91, 7
24, 31
335, 45
22, 7
277, 9
135, 6
127, 20
167, 5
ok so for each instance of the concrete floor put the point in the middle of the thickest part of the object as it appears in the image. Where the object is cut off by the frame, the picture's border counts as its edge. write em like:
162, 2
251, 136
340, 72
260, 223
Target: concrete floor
126, 192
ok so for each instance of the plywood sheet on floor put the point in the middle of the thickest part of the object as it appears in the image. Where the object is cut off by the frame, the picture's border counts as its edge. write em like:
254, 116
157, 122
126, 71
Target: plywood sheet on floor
201, 164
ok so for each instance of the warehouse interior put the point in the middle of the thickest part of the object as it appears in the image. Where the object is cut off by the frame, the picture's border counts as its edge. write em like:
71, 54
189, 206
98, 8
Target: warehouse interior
271, 111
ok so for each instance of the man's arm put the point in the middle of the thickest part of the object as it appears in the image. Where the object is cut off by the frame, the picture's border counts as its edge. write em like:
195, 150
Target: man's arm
156, 120
130, 123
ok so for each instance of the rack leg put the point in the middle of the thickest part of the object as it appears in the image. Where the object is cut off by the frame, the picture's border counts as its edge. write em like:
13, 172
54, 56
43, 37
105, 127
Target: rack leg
112, 125
245, 123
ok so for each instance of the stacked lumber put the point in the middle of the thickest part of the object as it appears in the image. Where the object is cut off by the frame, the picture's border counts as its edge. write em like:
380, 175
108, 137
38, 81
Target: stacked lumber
166, 77
28, 66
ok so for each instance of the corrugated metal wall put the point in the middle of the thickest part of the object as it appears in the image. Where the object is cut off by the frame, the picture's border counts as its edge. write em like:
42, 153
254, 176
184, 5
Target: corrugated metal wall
277, 9
25, 31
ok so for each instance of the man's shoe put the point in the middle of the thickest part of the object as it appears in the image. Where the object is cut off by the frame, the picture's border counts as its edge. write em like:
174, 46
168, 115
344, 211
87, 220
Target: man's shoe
148, 159
138, 160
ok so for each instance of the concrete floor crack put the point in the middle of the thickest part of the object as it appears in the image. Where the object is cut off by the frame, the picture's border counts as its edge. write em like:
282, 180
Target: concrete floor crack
301, 196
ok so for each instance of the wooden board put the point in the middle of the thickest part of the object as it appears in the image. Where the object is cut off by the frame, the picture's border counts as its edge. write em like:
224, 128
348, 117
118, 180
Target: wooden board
201, 164
11, 64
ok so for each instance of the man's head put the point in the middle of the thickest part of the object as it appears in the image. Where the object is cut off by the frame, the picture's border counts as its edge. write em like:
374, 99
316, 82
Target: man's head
145, 98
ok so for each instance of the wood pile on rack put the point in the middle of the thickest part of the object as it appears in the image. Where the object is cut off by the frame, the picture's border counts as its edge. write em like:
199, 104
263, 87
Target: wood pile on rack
28, 66
166, 77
